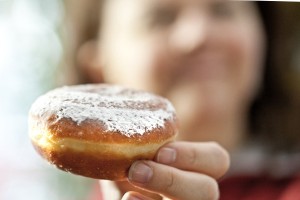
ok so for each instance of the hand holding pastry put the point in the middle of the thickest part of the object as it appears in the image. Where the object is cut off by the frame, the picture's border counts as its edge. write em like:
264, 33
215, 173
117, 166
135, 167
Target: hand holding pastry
183, 170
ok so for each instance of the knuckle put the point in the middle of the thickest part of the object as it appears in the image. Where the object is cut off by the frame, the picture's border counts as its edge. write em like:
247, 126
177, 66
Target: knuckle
209, 189
212, 190
192, 157
222, 158
169, 182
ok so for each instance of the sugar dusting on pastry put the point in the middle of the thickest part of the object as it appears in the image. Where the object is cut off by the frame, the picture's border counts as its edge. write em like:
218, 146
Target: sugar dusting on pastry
119, 109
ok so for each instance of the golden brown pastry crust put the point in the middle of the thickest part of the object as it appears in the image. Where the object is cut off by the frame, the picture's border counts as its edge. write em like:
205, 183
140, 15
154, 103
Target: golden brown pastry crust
90, 149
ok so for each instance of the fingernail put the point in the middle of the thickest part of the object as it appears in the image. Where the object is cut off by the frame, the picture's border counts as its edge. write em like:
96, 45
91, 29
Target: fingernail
166, 155
140, 172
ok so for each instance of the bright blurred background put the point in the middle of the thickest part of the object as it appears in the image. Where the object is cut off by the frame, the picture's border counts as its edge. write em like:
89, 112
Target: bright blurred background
30, 53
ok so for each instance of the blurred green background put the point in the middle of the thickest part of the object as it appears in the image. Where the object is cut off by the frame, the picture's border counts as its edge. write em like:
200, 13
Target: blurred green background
30, 55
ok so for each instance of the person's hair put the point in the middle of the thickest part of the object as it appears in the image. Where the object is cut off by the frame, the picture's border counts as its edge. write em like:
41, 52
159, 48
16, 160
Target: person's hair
275, 113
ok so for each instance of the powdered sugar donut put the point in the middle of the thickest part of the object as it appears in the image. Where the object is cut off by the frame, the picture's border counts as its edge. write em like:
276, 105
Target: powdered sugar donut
99, 130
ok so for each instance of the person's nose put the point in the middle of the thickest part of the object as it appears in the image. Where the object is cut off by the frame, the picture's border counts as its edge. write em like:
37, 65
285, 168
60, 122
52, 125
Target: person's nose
189, 33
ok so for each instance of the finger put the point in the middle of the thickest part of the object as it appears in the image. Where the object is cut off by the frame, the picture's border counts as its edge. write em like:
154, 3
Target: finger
125, 186
207, 158
135, 196
172, 182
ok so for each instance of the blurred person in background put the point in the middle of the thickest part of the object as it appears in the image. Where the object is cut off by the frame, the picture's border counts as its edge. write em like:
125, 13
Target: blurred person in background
230, 71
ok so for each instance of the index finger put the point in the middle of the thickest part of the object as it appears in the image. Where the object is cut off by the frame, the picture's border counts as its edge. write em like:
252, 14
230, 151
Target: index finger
172, 182
203, 157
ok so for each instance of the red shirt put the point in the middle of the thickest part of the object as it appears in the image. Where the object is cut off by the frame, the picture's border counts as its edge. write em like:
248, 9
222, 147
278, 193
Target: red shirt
260, 188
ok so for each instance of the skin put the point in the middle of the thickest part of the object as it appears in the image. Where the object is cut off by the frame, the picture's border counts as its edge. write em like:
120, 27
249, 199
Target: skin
206, 58
194, 166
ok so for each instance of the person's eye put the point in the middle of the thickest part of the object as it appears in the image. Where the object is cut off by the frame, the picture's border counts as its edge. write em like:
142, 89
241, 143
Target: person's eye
161, 17
222, 9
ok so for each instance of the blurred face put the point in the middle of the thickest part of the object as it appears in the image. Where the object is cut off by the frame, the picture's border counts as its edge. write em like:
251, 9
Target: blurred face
204, 55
